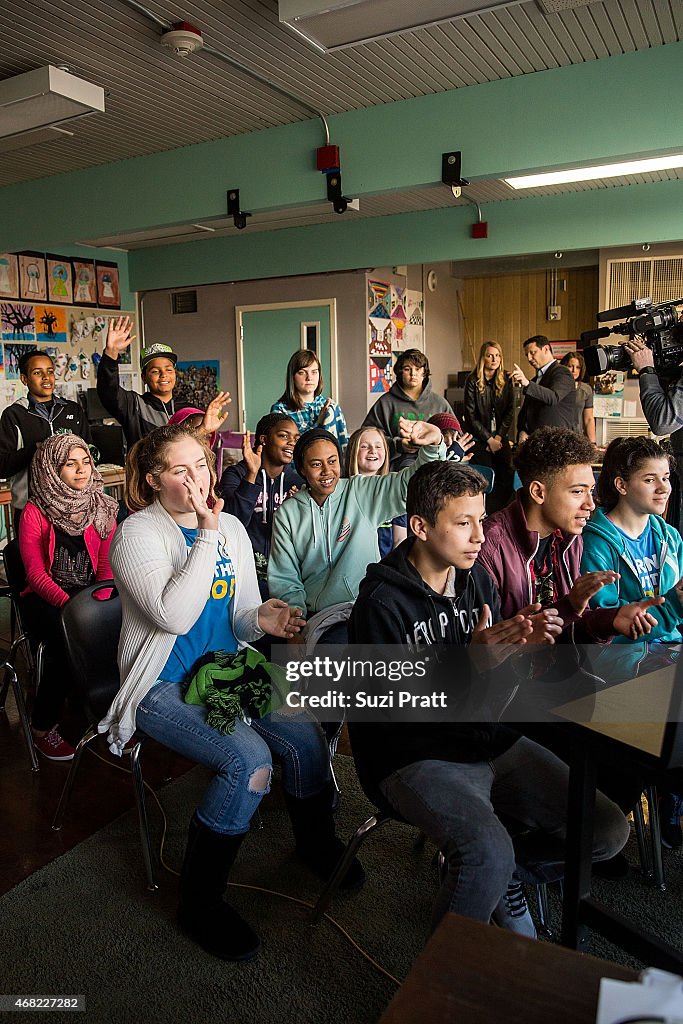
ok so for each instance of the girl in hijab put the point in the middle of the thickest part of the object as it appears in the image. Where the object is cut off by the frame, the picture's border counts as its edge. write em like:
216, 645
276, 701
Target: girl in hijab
64, 536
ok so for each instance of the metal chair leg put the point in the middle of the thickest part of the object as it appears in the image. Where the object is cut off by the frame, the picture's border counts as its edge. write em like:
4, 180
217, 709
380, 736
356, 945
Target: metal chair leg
544, 910
65, 796
11, 675
139, 790
643, 849
655, 837
343, 866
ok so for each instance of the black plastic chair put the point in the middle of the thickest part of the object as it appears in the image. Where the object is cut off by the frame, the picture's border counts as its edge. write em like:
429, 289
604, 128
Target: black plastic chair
91, 629
15, 575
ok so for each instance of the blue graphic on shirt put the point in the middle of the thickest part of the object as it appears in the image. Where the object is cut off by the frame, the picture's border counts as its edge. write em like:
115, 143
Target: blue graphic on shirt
213, 629
645, 559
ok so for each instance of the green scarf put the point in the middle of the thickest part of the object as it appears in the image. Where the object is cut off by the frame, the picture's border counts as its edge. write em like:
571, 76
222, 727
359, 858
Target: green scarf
234, 685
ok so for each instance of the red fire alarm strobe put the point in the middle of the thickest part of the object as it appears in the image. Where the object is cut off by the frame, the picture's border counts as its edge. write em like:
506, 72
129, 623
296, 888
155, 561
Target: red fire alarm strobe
327, 159
480, 230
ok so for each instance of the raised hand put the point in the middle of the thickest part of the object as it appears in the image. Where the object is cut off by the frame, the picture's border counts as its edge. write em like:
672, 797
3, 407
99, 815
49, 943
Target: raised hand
588, 585
419, 432
518, 376
322, 415
119, 336
214, 417
278, 619
251, 457
634, 620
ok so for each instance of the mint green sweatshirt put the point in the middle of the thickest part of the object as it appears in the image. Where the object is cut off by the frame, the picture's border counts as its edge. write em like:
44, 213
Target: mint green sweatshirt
319, 553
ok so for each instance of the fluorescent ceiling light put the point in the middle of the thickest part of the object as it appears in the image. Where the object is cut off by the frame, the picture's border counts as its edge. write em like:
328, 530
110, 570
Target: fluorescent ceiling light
335, 24
657, 163
43, 98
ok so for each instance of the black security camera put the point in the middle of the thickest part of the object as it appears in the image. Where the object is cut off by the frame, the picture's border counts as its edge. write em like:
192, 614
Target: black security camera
340, 205
239, 216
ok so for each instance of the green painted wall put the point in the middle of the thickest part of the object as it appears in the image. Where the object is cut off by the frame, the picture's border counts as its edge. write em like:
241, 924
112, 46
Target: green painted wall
576, 220
606, 108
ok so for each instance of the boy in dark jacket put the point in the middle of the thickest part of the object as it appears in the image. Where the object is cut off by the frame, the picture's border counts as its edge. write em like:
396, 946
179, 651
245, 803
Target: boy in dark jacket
254, 488
453, 779
30, 420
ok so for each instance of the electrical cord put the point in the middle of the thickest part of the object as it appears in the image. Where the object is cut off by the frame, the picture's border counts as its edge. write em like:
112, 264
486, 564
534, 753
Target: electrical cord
242, 885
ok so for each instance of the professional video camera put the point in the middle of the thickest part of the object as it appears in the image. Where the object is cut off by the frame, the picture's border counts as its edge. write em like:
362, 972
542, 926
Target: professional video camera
658, 324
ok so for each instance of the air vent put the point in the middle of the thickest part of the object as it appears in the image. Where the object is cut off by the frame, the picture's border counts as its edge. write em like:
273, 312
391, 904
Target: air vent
660, 277
184, 302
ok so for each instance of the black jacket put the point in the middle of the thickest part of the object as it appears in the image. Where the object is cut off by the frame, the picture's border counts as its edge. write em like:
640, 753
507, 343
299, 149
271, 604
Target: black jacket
396, 606
245, 501
21, 431
479, 409
552, 403
138, 414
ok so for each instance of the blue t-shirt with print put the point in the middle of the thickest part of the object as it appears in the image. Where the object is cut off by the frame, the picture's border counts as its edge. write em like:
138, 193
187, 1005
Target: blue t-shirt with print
213, 629
644, 557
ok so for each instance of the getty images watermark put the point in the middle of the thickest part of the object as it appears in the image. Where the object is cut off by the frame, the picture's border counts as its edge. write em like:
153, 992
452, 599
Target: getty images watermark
447, 683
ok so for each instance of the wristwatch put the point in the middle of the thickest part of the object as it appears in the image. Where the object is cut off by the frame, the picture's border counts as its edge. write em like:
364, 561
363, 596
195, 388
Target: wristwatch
646, 369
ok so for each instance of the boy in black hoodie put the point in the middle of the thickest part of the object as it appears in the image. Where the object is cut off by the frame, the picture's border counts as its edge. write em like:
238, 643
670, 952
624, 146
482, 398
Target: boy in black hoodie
452, 779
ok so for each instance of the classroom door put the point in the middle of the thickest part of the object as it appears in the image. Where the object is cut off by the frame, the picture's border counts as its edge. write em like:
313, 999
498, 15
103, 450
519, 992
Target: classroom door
267, 338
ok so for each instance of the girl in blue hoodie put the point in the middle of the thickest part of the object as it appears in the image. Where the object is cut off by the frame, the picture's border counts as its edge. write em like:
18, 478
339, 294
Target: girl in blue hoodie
628, 534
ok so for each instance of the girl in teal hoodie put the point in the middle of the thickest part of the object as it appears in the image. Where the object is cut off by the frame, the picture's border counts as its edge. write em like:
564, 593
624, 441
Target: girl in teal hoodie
628, 535
326, 535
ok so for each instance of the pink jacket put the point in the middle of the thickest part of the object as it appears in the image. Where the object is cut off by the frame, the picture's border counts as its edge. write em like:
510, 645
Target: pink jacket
37, 546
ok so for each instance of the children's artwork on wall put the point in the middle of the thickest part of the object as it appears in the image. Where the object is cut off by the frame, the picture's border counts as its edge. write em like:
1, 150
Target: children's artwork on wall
17, 321
414, 330
13, 353
378, 294
379, 346
380, 374
197, 381
2, 360
398, 313
32, 281
51, 325
59, 283
9, 276
85, 282
108, 293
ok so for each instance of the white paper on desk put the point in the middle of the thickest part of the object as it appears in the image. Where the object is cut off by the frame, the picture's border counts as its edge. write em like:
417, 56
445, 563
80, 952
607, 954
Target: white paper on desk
657, 994
630, 408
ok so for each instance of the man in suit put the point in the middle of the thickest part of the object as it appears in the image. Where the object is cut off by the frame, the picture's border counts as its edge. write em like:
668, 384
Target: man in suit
550, 398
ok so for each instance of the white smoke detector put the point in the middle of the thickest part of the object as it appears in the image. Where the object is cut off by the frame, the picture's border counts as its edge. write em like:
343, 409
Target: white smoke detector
183, 39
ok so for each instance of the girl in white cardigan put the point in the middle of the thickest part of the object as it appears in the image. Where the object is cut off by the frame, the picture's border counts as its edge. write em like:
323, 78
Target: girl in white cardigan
185, 573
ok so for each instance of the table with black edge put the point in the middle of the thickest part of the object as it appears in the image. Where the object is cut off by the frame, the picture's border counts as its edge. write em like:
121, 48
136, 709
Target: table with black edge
637, 722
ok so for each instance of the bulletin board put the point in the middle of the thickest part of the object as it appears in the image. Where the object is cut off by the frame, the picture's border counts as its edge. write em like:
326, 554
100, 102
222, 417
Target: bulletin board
73, 336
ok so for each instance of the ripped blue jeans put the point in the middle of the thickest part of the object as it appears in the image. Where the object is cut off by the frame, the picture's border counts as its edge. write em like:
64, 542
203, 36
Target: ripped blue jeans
243, 761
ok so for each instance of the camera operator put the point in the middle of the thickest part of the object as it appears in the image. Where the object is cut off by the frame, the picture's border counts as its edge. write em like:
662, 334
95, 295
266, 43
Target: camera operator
662, 404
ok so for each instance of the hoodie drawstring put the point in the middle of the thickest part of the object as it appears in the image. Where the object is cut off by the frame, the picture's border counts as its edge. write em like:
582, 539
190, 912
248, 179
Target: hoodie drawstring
264, 497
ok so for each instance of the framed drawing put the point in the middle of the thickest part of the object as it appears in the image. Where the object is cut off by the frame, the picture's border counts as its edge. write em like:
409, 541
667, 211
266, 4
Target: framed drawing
9, 276
108, 293
50, 325
32, 281
84, 282
59, 280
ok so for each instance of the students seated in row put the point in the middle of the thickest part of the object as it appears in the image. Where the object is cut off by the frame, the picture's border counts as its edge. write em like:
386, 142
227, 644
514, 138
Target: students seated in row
453, 780
325, 536
628, 535
28, 421
64, 538
255, 488
140, 414
410, 397
303, 399
185, 573
368, 455
532, 548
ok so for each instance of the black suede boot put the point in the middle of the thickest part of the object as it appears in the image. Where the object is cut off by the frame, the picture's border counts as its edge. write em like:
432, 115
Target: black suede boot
217, 928
316, 842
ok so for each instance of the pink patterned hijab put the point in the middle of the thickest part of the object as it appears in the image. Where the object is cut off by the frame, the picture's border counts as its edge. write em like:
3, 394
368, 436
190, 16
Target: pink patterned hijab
69, 510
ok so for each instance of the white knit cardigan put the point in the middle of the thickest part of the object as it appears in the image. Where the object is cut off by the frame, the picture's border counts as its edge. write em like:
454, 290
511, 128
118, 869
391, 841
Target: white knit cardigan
164, 586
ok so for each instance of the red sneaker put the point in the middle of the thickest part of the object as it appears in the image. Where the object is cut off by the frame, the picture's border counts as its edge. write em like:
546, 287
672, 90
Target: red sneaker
53, 746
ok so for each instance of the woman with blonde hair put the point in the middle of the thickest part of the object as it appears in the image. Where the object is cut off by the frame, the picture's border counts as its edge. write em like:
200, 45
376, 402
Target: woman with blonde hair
368, 455
185, 573
489, 408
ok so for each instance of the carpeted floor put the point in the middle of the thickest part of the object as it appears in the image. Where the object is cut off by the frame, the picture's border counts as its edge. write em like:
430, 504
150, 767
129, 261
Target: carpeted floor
85, 924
